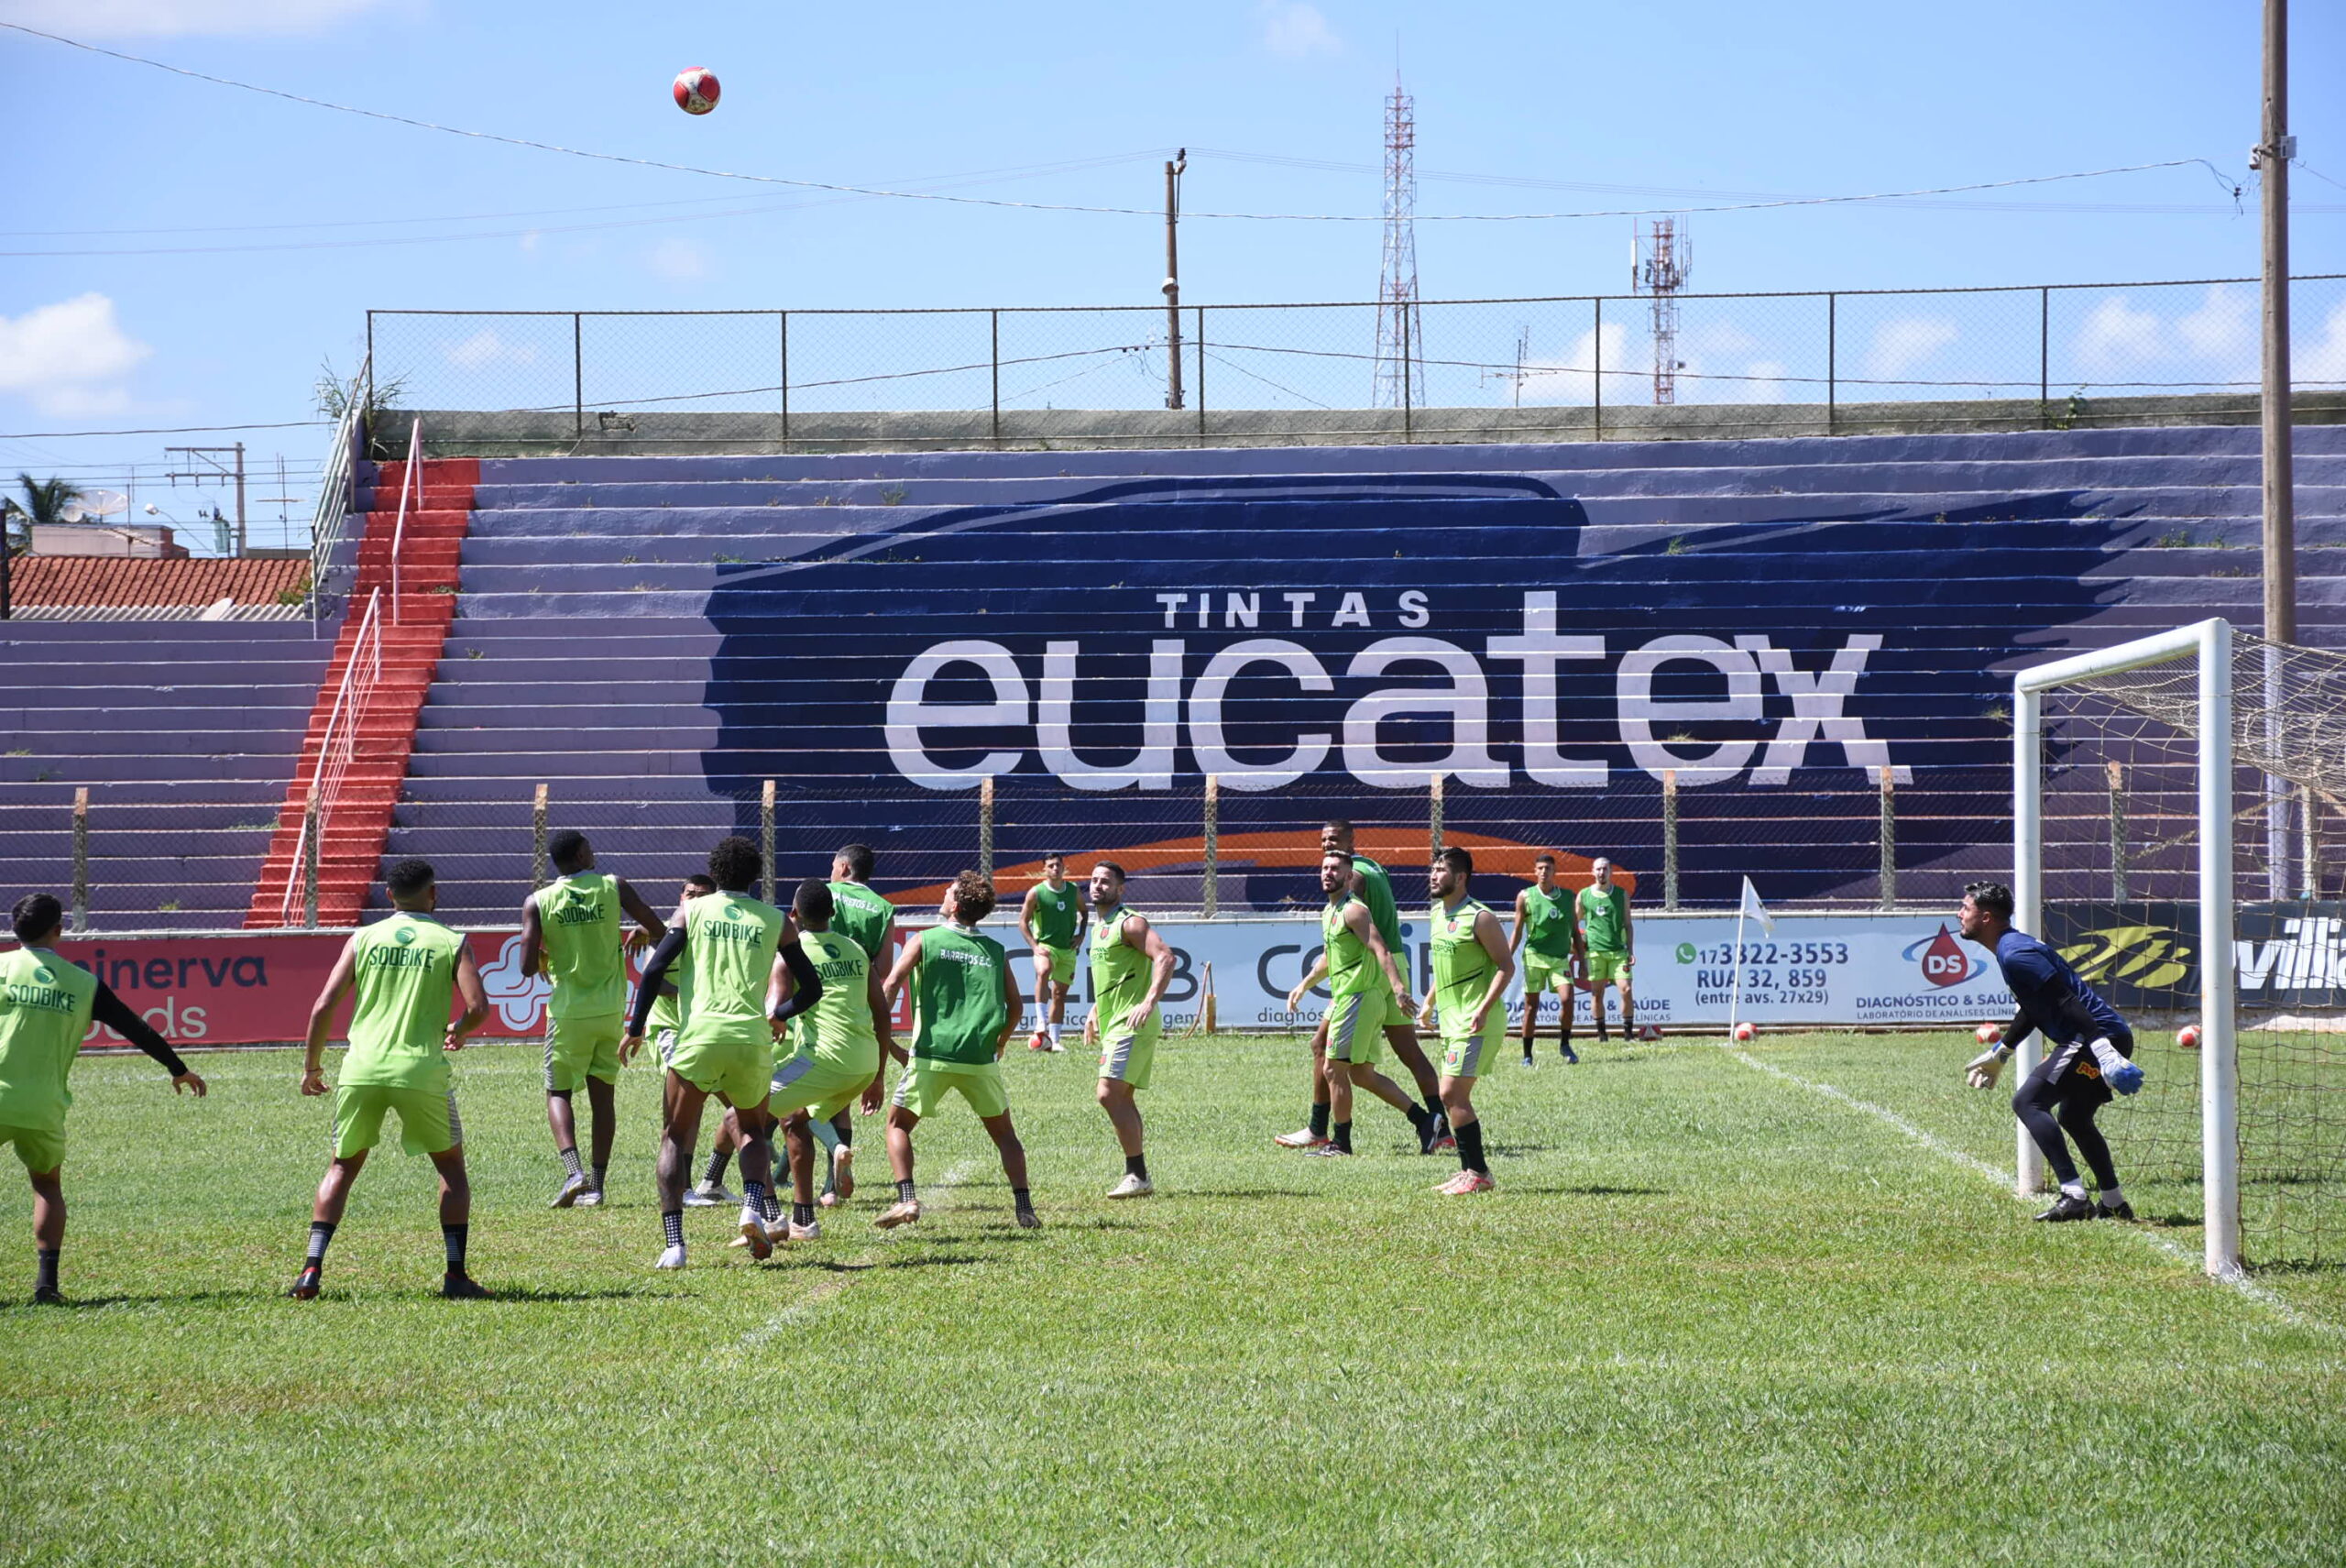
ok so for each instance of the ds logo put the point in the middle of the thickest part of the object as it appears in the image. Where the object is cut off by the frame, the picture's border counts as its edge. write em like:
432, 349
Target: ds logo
1943, 959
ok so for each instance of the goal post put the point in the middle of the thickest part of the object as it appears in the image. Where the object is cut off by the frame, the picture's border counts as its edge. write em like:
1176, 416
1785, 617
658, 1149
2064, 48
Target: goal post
2209, 645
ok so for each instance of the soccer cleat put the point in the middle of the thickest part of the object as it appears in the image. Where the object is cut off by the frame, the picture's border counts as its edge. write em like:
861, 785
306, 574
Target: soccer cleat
573, 1187
671, 1257
1324, 1149
2068, 1208
305, 1284
1056, 1049
812, 1231
1133, 1186
591, 1198
50, 1296
1444, 1144
843, 1173
755, 1234
458, 1286
1029, 1221
2122, 1209
1570, 1059
710, 1195
904, 1213
1302, 1138
1528, 1062
1465, 1182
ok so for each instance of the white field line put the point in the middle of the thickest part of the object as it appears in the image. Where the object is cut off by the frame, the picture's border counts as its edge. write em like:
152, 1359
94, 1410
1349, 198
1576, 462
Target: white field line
2245, 1285
815, 1301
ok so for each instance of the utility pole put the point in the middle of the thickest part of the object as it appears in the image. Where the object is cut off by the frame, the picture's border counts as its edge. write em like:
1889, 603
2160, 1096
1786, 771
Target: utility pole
210, 463
1173, 170
2276, 146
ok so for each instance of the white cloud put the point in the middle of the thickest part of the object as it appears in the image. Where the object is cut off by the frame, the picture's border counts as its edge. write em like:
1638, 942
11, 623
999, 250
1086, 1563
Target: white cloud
2116, 336
1573, 379
2216, 340
485, 348
2325, 360
680, 261
1763, 382
68, 359
165, 18
1296, 30
1906, 344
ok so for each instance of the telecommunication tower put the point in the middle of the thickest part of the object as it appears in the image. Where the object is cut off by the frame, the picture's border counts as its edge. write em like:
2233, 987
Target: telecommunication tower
1662, 258
1400, 349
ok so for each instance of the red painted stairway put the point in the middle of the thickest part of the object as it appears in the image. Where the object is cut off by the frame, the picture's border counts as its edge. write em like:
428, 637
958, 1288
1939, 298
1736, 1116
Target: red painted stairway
357, 817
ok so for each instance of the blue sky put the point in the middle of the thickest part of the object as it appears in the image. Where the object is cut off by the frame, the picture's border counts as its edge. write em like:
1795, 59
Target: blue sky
1815, 99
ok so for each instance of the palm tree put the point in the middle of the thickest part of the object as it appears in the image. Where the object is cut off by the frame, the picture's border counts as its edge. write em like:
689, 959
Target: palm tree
45, 503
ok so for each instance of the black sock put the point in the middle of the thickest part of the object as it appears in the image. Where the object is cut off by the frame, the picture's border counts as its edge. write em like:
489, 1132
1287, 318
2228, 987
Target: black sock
601, 1171
453, 1236
321, 1233
844, 1129
715, 1175
755, 1195
45, 1268
1435, 1112
905, 1193
1137, 1165
1420, 1117
1470, 1149
1344, 1136
671, 1225
1019, 1201
1320, 1120
802, 1214
571, 1162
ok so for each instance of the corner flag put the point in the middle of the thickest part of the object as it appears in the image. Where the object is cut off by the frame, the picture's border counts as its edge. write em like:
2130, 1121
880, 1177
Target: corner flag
1754, 909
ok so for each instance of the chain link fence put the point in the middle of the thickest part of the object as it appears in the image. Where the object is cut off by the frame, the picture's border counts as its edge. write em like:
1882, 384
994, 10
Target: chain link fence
1567, 367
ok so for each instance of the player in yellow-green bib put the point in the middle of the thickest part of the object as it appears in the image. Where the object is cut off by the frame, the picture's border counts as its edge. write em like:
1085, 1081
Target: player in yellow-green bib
727, 942
1363, 980
966, 1005
842, 1044
1602, 912
1549, 937
1052, 919
407, 969
571, 931
1473, 966
1131, 965
867, 918
46, 1008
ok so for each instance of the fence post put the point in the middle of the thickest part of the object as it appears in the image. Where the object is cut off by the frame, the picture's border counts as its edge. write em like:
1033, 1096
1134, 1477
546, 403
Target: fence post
2044, 356
1670, 840
1408, 374
311, 838
985, 827
577, 376
1832, 364
1210, 870
1433, 814
2309, 877
82, 858
538, 837
1596, 370
784, 316
765, 835
1888, 838
1198, 338
996, 317
2116, 830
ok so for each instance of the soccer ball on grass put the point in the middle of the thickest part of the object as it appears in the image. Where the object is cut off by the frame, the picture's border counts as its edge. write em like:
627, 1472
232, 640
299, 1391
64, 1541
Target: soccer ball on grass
1746, 1032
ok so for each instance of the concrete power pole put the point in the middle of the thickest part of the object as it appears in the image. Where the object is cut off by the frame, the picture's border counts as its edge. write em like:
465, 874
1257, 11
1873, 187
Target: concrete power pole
1173, 170
2274, 147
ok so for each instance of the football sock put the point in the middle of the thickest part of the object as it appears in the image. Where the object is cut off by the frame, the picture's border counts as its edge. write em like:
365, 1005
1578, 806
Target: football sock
571, 1162
2075, 1190
672, 1227
715, 1175
321, 1233
1344, 1136
45, 1268
601, 1171
755, 1195
1137, 1165
842, 1129
826, 1134
1021, 1202
802, 1214
2112, 1197
1470, 1149
1320, 1120
453, 1238
905, 1193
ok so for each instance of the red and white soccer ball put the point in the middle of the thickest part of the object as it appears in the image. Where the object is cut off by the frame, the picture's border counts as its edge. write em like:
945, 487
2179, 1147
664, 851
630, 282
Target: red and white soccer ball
697, 90
1649, 1031
1988, 1033
1747, 1032
2188, 1036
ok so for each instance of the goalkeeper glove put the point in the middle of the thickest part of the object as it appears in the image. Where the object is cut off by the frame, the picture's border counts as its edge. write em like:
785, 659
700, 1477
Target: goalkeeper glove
2123, 1076
1982, 1071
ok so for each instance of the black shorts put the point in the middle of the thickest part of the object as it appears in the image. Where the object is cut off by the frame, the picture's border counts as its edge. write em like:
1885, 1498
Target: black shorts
2072, 1074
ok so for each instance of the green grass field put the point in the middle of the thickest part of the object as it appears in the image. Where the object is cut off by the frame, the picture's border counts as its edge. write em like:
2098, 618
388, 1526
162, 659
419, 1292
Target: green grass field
1711, 1315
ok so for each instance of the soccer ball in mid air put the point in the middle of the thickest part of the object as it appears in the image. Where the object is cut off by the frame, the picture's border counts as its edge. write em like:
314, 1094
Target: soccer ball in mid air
1747, 1032
1988, 1033
2188, 1036
697, 90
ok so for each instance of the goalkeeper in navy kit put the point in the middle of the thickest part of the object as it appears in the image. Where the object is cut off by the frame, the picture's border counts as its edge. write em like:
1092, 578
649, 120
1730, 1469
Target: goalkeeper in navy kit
2087, 1061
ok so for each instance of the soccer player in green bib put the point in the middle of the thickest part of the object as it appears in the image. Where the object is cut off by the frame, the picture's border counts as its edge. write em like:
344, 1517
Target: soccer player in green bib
966, 1005
840, 1041
407, 969
1052, 920
1131, 965
727, 941
867, 918
46, 1008
1363, 980
1601, 912
1550, 939
571, 931
1375, 888
1473, 966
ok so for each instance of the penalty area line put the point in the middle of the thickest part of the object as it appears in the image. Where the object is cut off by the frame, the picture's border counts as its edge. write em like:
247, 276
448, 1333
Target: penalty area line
2246, 1287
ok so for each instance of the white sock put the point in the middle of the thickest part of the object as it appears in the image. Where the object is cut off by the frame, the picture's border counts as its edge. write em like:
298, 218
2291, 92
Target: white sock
1053, 1030
2075, 1190
2112, 1197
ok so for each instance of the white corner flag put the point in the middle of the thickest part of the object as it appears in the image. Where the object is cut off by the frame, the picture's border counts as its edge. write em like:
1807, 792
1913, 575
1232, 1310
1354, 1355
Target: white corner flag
1754, 909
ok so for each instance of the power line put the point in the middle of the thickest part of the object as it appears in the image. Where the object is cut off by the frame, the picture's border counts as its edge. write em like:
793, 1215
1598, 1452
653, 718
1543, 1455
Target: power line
160, 430
1071, 207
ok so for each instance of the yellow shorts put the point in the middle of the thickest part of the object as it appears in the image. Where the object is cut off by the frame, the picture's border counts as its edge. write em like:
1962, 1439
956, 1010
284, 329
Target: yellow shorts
428, 1119
581, 1049
922, 1087
1357, 1026
740, 1071
41, 1152
1542, 974
1060, 961
821, 1088
1605, 969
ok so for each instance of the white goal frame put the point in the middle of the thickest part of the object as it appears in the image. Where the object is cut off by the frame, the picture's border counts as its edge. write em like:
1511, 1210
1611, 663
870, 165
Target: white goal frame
2211, 642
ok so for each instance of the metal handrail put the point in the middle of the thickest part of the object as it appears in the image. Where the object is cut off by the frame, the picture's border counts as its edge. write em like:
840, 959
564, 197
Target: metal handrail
336, 486
410, 483
337, 747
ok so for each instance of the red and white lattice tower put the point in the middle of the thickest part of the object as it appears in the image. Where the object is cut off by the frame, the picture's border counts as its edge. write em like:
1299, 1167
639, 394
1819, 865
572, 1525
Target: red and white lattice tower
1661, 260
1400, 349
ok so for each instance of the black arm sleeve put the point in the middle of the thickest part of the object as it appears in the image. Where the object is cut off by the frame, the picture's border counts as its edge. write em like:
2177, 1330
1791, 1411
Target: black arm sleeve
2071, 1010
2018, 1029
115, 1014
805, 985
656, 969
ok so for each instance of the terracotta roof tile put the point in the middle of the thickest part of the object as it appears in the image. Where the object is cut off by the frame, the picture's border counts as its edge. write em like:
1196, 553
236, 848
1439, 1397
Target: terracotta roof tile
102, 580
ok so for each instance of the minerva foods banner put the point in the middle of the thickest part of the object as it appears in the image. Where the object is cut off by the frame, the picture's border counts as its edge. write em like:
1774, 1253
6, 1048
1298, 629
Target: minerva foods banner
1825, 969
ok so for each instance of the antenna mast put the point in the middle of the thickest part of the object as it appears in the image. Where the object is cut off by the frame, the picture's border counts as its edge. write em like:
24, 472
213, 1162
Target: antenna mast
1661, 261
1400, 349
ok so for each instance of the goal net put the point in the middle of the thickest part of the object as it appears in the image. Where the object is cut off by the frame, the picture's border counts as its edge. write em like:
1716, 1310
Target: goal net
2178, 807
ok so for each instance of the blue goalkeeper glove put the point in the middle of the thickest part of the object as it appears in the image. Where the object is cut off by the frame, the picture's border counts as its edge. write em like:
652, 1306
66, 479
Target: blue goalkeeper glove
2123, 1076
2127, 1080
